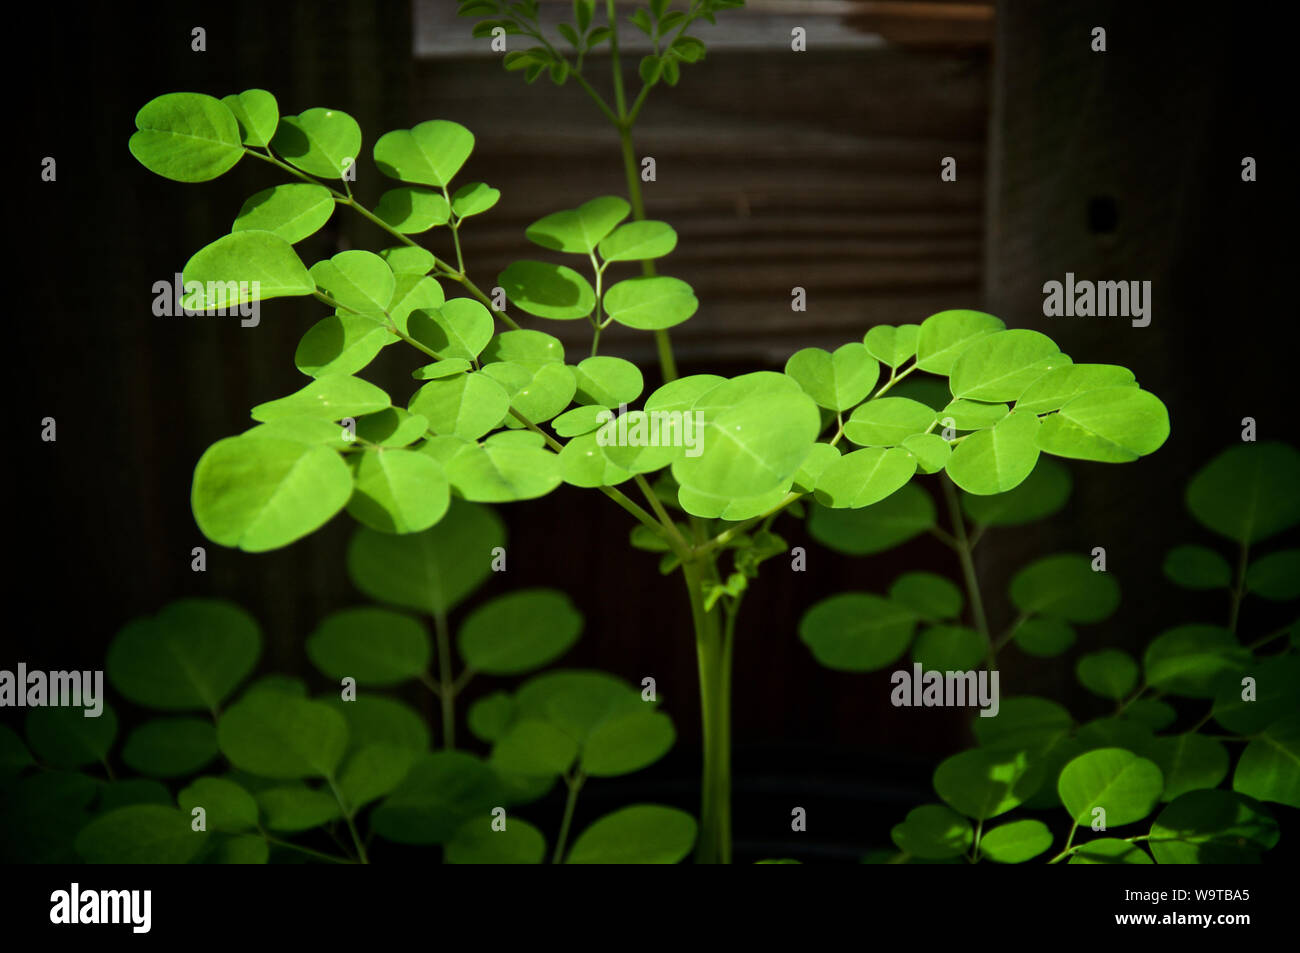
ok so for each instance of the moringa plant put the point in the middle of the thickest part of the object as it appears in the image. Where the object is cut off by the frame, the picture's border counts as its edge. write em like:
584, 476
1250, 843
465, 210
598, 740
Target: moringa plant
1154, 753
275, 775
498, 412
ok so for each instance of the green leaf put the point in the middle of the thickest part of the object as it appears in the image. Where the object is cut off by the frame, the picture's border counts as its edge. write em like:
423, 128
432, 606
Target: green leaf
683, 393
1212, 827
932, 597
474, 199
650, 304
489, 717
1025, 723
374, 646
537, 394
944, 336
341, 344
502, 473
949, 648
440, 369
433, 571
188, 657
534, 748
292, 808
440, 793
894, 520
1197, 567
292, 212
627, 744
1191, 659
930, 451
640, 834
243, 267
227, 807
65, 737
971, 414
892, 346
1275, 576
579, 421
751, 448
1111, 425
322, 142
260, 493
579, 231
171, 747
1150, 714
140, 834
820, 456
278, 736
478, 842
257, 113
1060, 385
408, 260
1125, 786
530, 349
864, 477
1110, 673
857, 631
1247, 493
519, 632
330, 397
467, 406
1002, 365
608, 381
1189, 762
1041, 494
550, 291
887, 421
1064, 586
650, 69
985, 782
398, 491
933, 832
374, 771
358, 280
1269, 769
1016, 842
378, 721
413, 210
1110, 850
186, 137
1044, 637
583, 461
391, 427
412, 293
835, 381
1274, 695
637, 241
994, 461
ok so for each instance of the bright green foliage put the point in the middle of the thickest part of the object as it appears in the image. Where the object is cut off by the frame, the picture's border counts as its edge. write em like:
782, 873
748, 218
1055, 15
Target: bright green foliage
321, 142
186, 137
965, 401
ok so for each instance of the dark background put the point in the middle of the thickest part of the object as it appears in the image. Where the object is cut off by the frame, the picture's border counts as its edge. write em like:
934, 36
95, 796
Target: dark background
816, 169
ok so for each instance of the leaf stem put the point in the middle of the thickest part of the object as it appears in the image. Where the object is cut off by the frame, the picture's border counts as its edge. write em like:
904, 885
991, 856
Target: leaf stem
570, 803
963, 549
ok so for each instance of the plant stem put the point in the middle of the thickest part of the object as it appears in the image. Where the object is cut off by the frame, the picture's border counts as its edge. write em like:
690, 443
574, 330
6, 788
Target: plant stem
713, 656
571, 802
352, 827
306, 850
446, 689
623, 123
1239, 588
963, 549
